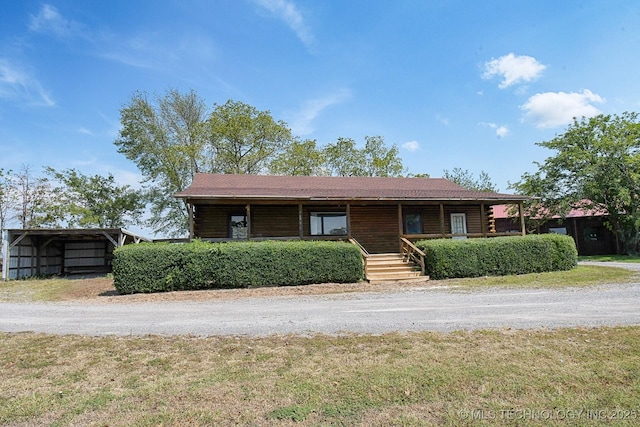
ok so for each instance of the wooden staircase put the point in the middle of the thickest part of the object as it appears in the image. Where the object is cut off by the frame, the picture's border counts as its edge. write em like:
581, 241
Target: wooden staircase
391, 267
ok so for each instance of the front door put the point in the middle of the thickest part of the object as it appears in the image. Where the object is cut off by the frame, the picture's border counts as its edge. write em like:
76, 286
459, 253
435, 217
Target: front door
459, 225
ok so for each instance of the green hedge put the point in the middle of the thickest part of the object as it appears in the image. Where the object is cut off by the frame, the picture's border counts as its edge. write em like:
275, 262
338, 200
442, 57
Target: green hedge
499, 256
157, 267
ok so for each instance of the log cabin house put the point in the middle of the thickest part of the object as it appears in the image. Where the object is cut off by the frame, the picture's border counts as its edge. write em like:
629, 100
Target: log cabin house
381, 215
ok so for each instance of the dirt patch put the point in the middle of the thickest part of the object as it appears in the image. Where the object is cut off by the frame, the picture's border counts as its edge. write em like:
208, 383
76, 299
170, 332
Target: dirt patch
102, 290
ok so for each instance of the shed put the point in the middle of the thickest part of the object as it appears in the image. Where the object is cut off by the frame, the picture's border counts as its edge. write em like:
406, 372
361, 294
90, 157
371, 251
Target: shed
34, 252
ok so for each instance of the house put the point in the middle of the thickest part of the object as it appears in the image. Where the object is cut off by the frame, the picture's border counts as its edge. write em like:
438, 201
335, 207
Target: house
35, 252
586, 226
381, 215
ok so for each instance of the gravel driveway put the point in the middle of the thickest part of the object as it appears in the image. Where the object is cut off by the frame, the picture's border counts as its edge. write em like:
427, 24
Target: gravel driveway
415, 309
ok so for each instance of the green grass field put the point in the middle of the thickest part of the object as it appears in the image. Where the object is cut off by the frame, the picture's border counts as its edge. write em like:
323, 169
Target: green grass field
584, 377
501, 377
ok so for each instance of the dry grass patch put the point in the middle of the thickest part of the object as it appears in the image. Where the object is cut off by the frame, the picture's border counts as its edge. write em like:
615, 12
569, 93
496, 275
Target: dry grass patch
394, 379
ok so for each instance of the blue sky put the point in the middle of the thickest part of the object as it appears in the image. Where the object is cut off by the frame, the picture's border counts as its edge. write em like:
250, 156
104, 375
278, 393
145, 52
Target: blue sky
469, 84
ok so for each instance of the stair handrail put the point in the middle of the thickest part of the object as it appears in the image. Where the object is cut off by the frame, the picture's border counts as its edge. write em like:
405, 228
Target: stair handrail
363, 251
411, 252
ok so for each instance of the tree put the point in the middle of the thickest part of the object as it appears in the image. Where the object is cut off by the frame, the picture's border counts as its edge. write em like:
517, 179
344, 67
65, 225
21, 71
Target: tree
168, 143
31, 196
465, 179
243, 139
94, 201
344, 159
380, 160
299, 158
174, 137
7, 198
596, 166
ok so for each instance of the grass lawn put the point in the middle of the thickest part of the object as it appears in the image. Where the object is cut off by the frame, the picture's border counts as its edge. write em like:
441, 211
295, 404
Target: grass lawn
574, 376
570, 376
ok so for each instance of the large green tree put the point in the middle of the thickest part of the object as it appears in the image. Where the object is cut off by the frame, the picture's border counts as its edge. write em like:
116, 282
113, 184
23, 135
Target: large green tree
172, 137
166, 139
243, 139
465, 179
299, 158
596, 165
93, 201
343, 158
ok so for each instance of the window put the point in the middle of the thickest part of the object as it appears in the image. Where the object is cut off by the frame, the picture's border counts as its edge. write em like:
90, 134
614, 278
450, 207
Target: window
459, 225
413, 223
328, 224
558, 230
238, 226
593, 233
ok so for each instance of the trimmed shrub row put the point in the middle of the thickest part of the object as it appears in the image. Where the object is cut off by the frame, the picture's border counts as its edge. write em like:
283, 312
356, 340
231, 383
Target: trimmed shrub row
158, 267
499, 256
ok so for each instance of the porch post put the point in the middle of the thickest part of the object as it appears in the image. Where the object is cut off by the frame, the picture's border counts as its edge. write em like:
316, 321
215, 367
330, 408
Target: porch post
300, 225
349, 220
400, 227
248, 209
483, 221
442, 219
521, 212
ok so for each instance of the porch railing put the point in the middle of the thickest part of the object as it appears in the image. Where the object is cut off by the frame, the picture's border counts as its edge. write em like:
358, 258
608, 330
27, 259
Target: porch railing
410, 252
363, 251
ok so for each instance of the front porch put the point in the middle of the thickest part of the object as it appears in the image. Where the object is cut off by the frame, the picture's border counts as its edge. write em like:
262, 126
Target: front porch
378, 227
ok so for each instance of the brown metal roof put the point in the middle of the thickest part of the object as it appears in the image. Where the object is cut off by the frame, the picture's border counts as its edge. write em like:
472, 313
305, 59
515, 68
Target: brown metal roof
218, 186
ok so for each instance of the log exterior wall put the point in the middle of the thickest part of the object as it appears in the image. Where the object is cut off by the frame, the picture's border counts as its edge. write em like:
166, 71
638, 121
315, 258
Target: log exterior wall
431, 217
376, 228
274, 221
212, 221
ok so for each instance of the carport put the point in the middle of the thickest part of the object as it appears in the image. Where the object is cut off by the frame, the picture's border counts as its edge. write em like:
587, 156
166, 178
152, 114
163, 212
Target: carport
35, 252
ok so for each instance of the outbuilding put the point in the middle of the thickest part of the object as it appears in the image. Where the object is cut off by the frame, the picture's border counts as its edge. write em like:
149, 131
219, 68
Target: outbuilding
39, 252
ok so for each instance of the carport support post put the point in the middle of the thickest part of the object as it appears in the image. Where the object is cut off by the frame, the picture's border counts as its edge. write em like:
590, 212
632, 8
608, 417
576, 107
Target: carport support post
4, 240
521, 212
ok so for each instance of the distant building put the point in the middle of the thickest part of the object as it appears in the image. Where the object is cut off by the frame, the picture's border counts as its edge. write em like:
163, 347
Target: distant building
586, 227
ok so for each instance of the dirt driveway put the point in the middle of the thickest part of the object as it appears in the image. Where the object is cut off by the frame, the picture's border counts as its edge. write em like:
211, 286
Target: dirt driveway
413, 308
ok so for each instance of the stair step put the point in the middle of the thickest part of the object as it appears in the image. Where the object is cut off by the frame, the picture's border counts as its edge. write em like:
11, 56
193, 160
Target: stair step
390, 267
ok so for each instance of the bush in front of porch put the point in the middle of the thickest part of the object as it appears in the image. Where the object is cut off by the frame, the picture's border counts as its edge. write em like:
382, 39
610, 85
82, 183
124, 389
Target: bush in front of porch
499, 256
159, 267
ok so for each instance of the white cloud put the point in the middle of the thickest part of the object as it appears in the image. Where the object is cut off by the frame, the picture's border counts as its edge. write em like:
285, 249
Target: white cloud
513, 69
501, 131
301, 121
49, 20
411, 146
554, 109
289, 13
443, 120
85, 131
16, 83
